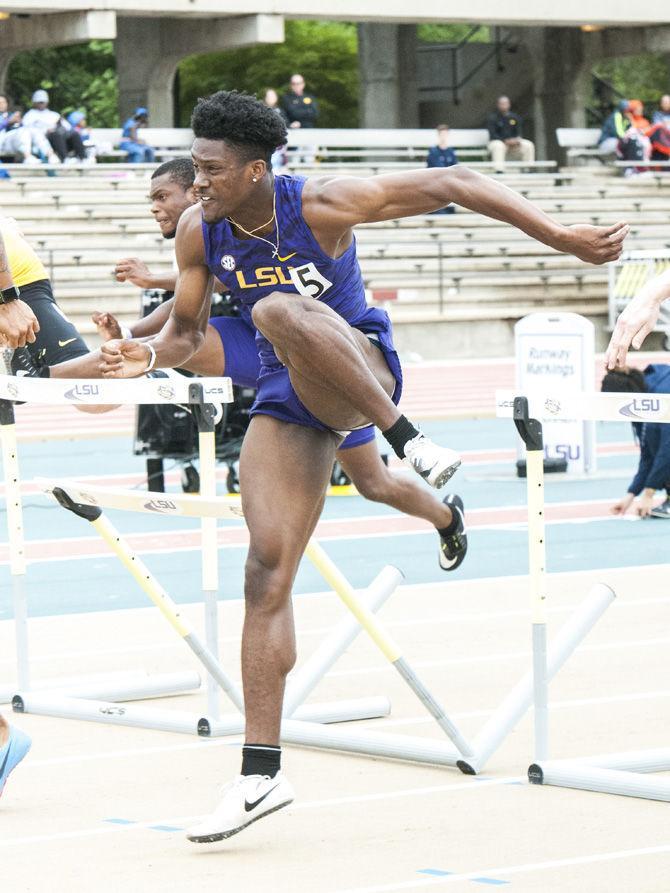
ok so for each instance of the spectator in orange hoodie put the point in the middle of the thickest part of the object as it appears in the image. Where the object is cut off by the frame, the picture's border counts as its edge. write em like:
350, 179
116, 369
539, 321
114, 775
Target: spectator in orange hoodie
635, 115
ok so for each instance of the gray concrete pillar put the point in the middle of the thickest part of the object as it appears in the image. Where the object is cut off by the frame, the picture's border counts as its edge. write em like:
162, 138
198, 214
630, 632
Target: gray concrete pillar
387, 65
138, 55
562, 62
148, 51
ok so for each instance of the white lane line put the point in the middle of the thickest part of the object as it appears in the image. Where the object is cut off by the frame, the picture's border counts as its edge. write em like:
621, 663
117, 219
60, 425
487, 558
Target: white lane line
554, 705
496, 658
473, 784
199, 743
511, 870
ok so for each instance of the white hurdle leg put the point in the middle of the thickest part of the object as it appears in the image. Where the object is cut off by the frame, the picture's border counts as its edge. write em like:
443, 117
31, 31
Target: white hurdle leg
17, 555
520, 699
334, 577
204, 414
531, 433
318, 664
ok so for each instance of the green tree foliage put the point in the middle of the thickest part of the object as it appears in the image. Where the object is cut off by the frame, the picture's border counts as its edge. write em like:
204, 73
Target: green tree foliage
643, 77
325, 53
77, 77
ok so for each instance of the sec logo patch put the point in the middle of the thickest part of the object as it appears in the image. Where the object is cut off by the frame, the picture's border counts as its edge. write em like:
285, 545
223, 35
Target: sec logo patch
228, 262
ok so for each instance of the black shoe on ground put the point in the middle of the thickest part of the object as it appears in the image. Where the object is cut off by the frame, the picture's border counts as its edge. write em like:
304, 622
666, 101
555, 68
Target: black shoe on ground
662, 510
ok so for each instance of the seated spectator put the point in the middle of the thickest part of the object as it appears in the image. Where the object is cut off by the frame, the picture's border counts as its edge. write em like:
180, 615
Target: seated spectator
635, 145
77, 121
15, 140
506, 141
47, 123
442, 155
614, 127
662, 113
132, 143
635, 114
659, 138
271, 100
653, 471
659, 132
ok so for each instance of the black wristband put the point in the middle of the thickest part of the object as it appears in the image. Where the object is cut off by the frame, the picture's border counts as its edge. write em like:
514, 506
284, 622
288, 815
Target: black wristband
7, 295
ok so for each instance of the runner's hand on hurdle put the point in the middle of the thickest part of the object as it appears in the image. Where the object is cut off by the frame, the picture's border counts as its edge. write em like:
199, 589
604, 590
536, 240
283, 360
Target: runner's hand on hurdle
18, 324
124, 359
596, 244
637, 320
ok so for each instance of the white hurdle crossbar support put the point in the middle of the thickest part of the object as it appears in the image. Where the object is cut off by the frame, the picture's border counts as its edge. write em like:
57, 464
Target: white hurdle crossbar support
113, 712
617, 773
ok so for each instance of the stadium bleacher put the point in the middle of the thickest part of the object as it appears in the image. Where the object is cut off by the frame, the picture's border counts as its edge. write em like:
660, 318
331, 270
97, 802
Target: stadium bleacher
459, 267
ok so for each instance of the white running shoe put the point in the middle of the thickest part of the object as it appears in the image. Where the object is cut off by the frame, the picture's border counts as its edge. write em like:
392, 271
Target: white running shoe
434, 463
244, 800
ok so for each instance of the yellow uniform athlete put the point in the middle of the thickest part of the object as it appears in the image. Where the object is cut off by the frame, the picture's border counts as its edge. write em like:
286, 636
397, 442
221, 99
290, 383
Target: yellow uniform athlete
57, 340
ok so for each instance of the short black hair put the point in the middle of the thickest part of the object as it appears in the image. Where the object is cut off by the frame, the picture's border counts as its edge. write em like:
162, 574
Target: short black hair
250, 128
625, 380
180, 170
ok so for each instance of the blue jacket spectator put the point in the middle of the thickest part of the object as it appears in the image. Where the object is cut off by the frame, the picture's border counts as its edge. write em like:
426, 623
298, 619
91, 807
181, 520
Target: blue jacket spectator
442, 155
614, 127
132, 143
653, 471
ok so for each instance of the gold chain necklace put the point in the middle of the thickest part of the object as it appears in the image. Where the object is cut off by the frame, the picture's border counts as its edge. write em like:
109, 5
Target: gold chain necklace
273, 220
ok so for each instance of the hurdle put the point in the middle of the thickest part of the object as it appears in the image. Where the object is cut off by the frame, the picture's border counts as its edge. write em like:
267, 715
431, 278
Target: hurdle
303, 724
126, 685
100, 700
627, 773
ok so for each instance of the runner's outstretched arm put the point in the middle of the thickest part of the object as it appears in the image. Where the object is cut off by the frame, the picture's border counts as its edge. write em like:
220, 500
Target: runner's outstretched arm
333, 205
184, 331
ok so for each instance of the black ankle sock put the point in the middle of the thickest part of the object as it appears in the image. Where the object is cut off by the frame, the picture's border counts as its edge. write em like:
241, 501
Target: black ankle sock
261, 759
399, 434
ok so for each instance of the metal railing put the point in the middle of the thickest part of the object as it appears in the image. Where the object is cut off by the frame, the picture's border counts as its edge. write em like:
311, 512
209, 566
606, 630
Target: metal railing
455, 66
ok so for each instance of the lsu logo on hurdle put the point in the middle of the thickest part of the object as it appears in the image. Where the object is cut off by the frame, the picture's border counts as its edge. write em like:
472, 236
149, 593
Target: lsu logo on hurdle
163, 506
82, 392
641, 406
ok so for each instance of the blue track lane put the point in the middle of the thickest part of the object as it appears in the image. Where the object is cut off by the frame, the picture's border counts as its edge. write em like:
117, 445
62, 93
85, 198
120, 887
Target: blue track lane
99, 584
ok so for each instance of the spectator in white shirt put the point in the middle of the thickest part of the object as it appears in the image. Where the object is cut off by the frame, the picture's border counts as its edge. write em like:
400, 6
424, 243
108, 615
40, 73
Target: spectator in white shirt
62, 138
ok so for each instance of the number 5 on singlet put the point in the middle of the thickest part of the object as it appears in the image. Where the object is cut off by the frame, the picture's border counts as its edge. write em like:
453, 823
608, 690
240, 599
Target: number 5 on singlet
309, 282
